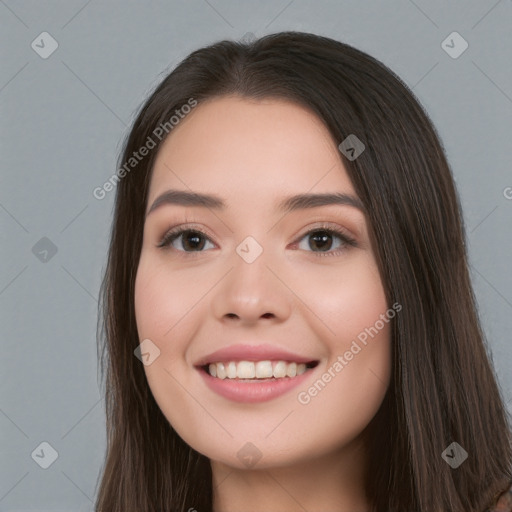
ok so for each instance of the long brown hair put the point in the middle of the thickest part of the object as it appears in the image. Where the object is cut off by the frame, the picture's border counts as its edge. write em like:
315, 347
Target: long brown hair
443, 388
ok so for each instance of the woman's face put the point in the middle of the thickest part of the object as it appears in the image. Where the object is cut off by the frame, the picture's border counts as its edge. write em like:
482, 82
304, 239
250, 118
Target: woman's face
263, 285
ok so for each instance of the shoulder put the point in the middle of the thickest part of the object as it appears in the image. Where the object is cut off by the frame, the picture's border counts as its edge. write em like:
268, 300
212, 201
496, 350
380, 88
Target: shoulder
504, 502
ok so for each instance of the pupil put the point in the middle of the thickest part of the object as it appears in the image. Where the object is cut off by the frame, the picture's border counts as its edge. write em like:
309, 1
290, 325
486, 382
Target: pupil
193, 236
323, 238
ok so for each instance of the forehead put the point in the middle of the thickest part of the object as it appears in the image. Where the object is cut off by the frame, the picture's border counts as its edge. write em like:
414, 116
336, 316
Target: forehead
247, 149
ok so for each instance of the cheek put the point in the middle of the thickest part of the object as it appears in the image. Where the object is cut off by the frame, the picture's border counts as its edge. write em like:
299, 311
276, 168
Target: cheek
350, 387
161, 304
345, 300
162, 299
355, 318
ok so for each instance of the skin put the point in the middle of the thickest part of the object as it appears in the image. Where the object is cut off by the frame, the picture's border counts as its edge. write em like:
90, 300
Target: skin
298, 295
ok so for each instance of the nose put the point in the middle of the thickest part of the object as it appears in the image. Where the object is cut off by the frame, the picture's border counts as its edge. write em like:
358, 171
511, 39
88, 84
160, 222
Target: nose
251, 292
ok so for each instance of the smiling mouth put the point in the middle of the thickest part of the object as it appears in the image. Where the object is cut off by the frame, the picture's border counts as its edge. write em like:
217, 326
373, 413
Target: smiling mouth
257, 371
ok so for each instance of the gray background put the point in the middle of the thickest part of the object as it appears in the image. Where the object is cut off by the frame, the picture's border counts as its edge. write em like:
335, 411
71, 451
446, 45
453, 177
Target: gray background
63, 119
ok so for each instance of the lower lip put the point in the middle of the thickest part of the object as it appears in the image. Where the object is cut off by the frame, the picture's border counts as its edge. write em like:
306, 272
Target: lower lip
253, 391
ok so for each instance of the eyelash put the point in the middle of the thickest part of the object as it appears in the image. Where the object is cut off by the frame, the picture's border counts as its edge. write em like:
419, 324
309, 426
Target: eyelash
175, 233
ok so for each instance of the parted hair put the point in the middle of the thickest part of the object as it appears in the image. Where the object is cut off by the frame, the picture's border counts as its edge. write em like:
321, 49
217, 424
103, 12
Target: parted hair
443, 387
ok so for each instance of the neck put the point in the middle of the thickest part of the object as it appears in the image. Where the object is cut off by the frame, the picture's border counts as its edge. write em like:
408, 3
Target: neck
333, 482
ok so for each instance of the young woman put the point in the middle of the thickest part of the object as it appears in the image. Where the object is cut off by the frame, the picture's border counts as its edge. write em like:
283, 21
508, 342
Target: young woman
289, 322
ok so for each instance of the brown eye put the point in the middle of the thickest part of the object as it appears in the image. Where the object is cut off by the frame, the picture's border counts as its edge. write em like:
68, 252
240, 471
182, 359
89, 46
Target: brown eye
321, 241
192, 240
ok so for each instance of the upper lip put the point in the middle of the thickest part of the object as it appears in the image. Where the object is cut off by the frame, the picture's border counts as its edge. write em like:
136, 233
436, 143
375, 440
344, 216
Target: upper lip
252, 353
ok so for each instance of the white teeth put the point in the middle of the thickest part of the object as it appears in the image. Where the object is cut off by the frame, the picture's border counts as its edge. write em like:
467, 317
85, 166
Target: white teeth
221, 371
280, 369
245, 370
231, 370
264, 369
291, 371
255, 369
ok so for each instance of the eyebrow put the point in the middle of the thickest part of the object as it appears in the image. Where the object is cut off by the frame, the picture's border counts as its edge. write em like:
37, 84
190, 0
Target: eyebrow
289, 204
